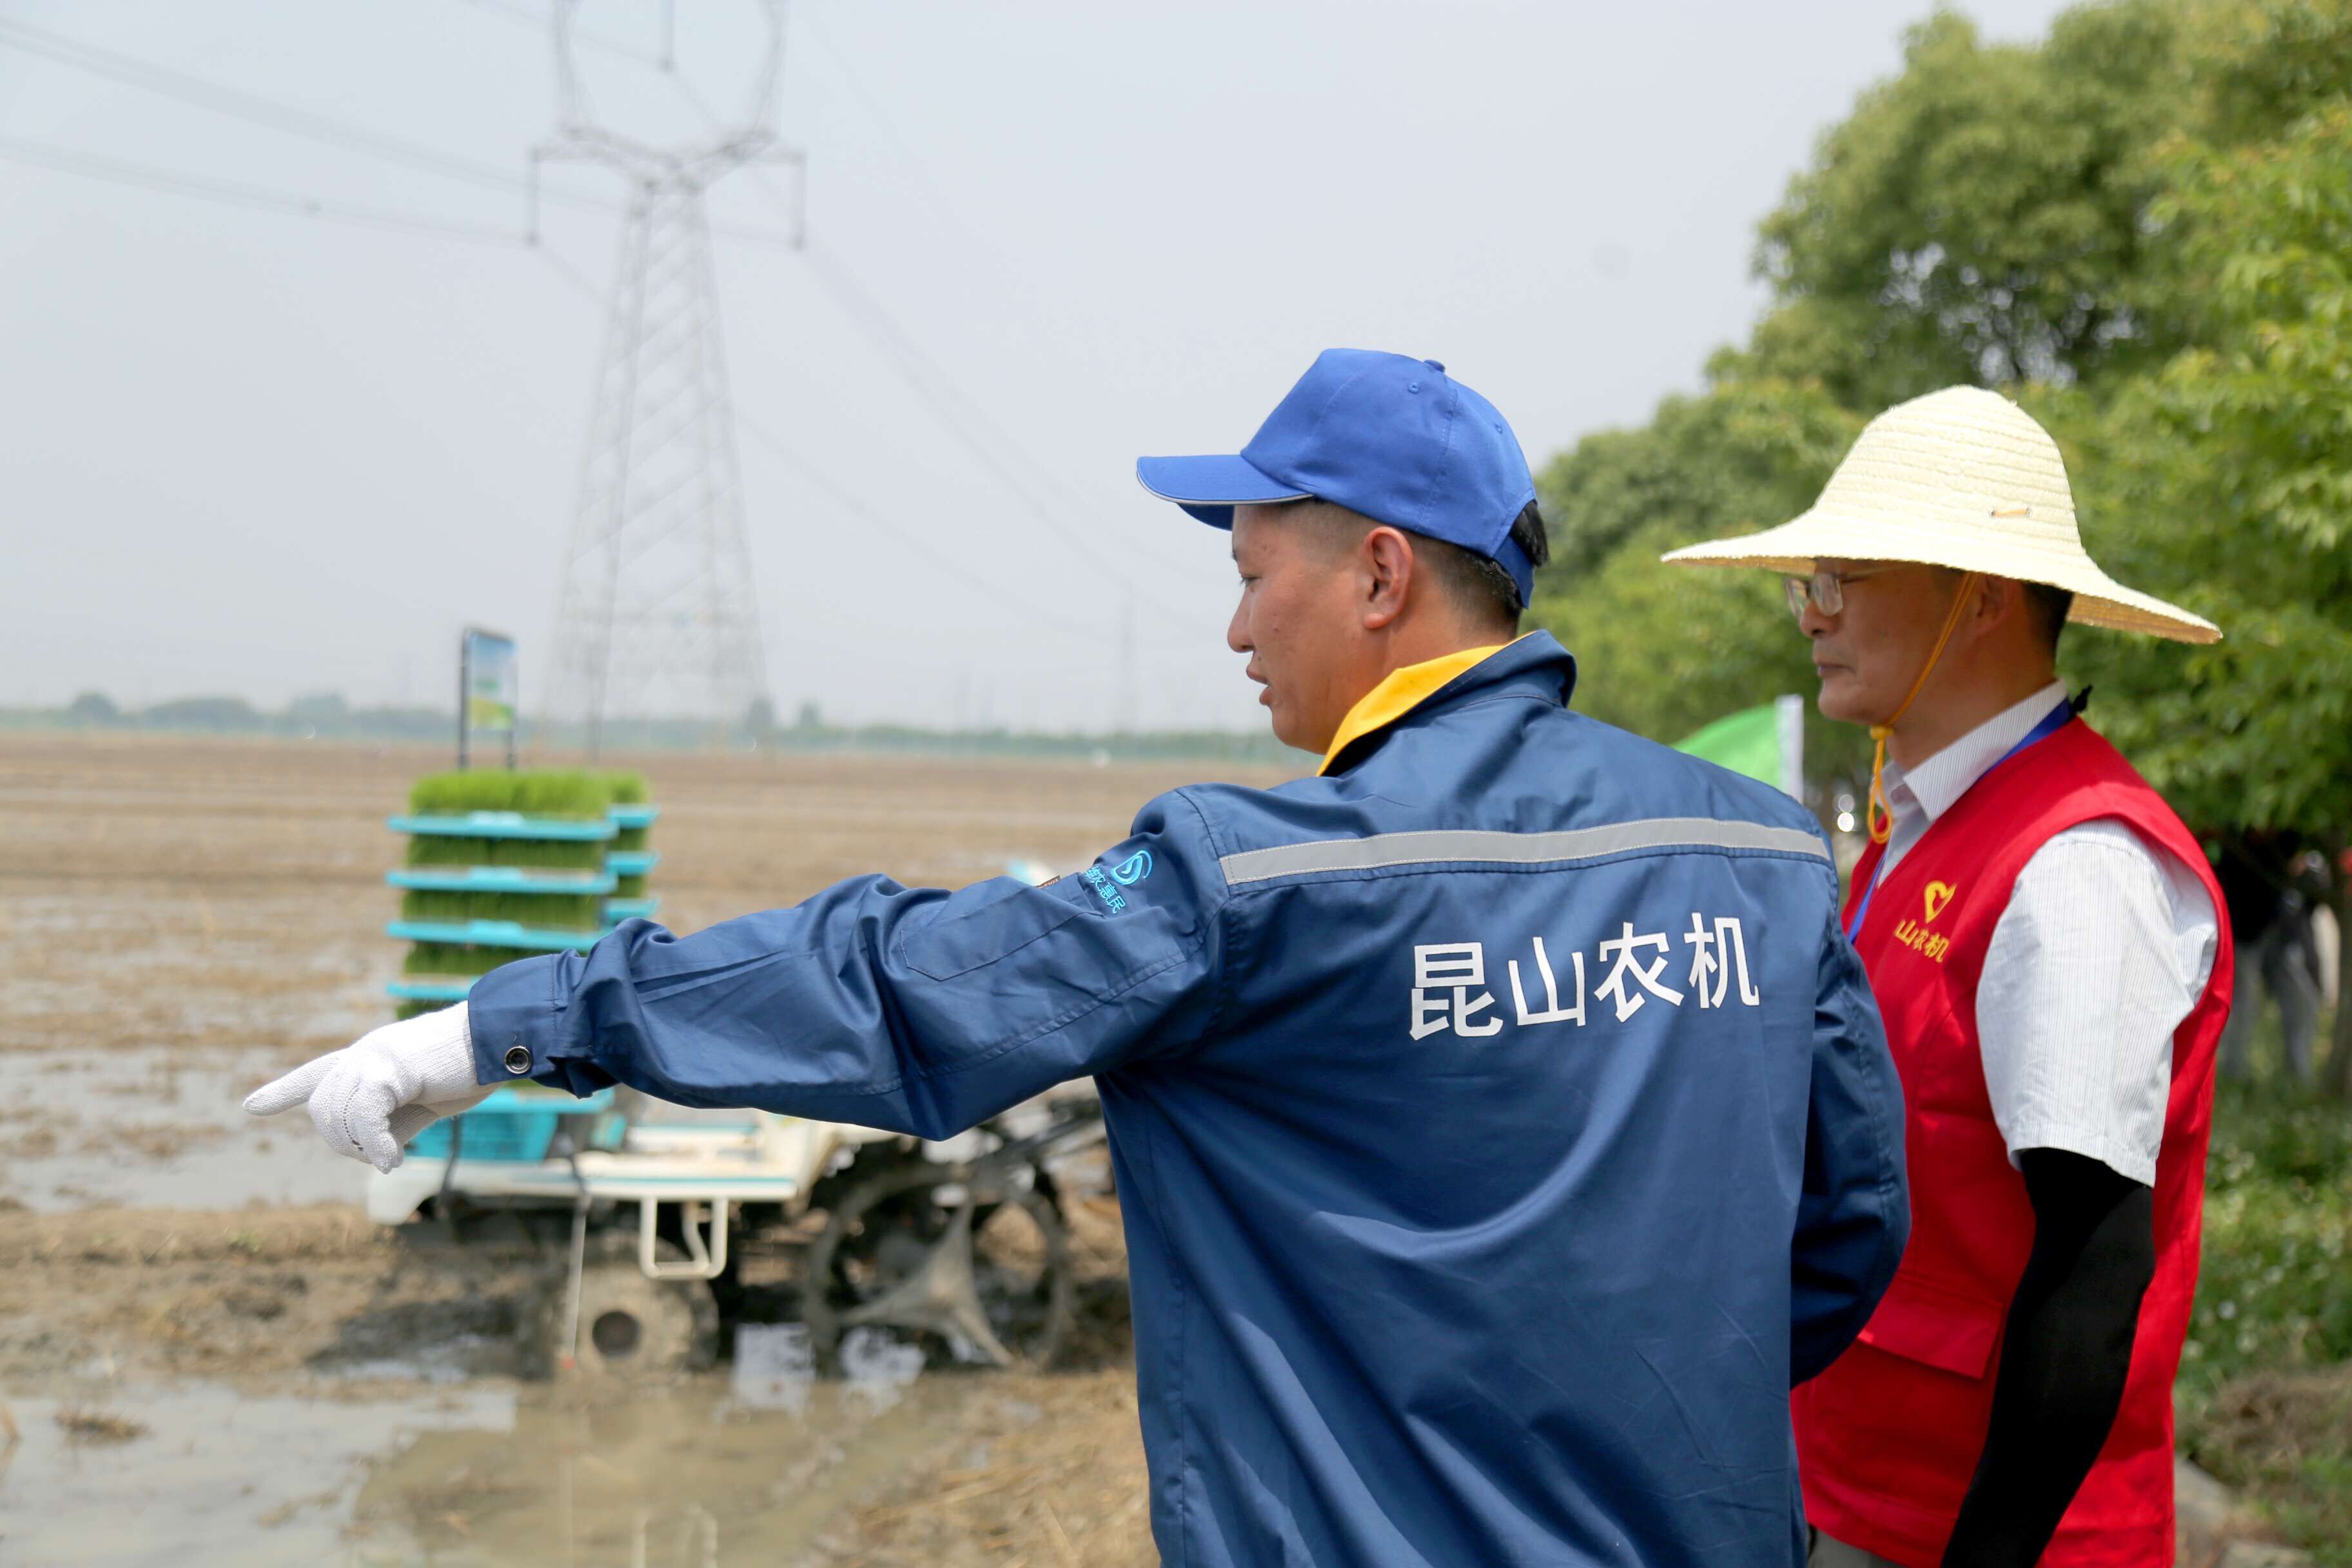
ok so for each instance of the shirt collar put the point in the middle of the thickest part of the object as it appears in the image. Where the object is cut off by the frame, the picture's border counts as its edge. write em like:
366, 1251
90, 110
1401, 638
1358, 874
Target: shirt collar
1400, 691
1933, 787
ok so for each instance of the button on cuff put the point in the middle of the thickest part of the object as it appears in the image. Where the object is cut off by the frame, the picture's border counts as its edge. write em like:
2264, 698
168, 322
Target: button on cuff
517, 1059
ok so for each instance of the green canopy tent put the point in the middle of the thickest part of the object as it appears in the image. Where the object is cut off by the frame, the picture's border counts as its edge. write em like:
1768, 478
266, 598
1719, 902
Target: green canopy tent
1765, 742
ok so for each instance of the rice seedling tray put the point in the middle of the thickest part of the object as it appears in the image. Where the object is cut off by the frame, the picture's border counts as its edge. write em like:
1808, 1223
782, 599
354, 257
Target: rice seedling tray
502, 880
491, 934
502, 824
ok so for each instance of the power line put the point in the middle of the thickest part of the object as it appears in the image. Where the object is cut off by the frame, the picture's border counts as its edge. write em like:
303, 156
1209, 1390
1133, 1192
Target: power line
953, 408
927, 550
573, 275
537, 21
924, 551
958, 412
256, 197
981, 436
76, 55
295, 203
972, 241
82, 56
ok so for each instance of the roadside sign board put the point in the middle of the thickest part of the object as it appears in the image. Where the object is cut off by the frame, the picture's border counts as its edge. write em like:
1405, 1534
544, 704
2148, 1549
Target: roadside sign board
488, 694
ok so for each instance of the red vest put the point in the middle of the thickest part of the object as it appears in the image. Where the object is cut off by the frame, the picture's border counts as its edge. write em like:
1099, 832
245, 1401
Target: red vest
1888, 1438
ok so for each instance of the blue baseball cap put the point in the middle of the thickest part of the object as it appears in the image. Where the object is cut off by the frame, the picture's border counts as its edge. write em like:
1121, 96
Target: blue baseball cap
1394, 439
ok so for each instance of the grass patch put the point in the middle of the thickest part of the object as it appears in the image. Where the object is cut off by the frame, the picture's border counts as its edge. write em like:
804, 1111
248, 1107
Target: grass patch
2286, 1438
2276, 1288
2265, 1388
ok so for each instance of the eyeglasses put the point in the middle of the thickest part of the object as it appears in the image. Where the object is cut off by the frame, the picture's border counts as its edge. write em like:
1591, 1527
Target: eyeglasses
1826, 589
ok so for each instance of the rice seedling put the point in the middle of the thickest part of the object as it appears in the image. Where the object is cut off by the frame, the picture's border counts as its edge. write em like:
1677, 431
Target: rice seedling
541, 854
575, 795
456, 959
540, 912
629, 789
548, 792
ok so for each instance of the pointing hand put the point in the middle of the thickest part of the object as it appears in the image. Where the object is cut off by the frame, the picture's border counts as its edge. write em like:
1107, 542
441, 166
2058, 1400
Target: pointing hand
372, 1096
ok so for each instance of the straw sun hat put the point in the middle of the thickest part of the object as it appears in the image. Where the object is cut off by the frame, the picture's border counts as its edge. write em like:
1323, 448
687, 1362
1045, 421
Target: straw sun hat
1962, 478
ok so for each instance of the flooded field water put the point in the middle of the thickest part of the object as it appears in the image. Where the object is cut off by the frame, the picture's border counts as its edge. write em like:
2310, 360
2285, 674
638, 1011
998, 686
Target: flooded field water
506, 1476
211, 1356
148, 1126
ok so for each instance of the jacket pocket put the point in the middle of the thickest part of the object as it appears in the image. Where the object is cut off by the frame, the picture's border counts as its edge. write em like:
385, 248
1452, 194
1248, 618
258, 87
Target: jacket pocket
954, 944
1936, 1327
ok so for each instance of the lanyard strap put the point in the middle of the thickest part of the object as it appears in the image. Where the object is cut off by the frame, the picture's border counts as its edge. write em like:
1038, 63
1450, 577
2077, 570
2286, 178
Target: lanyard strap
2052, 722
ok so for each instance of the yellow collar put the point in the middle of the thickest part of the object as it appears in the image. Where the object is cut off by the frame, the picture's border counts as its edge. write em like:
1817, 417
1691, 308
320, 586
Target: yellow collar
1399, 693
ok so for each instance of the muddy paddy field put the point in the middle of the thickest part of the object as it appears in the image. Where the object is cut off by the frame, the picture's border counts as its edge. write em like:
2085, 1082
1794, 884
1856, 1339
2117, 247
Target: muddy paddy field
212, 1356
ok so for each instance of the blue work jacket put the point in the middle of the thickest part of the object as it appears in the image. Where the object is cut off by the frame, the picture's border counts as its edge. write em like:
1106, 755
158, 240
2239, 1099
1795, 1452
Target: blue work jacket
1502, 1123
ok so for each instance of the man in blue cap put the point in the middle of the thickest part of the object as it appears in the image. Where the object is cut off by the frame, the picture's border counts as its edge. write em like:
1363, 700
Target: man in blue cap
1502, 1121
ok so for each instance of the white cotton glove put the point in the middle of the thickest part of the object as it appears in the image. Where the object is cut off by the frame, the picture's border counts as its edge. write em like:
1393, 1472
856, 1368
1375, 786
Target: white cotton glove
374, 1095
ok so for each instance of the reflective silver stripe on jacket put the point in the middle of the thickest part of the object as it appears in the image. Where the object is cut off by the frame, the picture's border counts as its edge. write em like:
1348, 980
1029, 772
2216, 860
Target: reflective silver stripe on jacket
1384, 850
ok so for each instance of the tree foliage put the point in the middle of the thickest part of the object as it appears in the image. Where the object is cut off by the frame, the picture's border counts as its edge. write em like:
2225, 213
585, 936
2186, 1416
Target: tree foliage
1977, 217
2142, 228
1664, 652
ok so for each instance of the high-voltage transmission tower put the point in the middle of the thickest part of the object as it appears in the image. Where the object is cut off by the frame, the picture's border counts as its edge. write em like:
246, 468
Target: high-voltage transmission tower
657, 613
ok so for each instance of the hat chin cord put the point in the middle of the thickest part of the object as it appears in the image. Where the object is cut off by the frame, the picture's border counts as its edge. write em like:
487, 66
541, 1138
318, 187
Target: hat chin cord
1881, 820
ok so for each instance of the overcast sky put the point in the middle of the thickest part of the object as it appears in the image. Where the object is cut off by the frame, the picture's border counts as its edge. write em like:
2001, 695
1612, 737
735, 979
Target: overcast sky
258, 453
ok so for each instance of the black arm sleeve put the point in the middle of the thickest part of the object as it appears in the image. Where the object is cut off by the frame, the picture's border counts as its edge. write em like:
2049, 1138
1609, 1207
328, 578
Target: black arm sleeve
2064, 1357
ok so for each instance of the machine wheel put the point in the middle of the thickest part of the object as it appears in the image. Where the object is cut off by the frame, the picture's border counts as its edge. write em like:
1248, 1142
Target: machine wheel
974, 1270
630, 1327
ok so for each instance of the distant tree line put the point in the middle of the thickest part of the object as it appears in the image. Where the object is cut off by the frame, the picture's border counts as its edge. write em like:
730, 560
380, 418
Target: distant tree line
326, 716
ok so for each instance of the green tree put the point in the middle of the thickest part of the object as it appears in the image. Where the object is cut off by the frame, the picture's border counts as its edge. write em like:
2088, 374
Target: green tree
2228, 474
1977, 218
94, 709
2140, 227
1664, 652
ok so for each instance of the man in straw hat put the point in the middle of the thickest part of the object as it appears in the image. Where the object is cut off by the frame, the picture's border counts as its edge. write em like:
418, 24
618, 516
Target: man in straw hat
2044, 937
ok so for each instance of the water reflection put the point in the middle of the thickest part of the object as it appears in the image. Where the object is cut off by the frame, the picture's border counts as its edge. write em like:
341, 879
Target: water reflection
466, 1479
662, 1478
199, 1474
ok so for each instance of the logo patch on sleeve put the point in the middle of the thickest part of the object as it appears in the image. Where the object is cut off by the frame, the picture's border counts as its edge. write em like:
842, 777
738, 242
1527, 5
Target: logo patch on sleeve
1132, 870
1111, 897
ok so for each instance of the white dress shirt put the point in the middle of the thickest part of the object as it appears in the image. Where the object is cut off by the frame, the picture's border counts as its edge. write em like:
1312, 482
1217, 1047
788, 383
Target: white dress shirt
2107, 944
